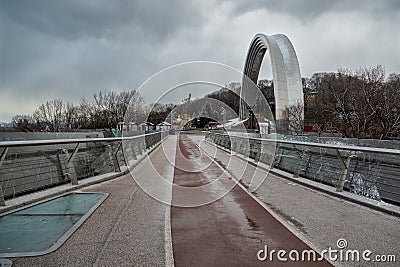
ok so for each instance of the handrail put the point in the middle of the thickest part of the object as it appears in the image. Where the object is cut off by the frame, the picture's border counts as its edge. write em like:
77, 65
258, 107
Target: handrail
70, 141
372, 174
59, 161
320, 145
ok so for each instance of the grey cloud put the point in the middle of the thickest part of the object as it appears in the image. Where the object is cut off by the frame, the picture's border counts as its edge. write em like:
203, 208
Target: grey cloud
310, 9
76, 18
82, 44
70, 49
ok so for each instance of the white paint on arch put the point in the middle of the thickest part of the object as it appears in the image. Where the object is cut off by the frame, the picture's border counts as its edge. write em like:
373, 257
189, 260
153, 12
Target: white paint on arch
286, 75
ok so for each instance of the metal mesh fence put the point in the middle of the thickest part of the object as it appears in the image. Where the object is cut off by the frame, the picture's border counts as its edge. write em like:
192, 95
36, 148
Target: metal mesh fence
27, 166
366, 171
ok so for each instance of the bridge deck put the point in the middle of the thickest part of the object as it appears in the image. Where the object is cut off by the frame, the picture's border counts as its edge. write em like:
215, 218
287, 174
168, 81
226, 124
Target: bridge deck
229, 231
133, 229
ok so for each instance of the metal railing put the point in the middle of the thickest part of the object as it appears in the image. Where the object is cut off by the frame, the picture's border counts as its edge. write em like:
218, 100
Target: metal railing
27, 166
367, 171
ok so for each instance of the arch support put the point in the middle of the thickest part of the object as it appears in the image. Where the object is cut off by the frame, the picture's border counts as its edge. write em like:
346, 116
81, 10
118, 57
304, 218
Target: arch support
286, 75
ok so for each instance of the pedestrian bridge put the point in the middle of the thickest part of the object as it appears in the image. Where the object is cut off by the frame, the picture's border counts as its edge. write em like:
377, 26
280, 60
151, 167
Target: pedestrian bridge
194, 198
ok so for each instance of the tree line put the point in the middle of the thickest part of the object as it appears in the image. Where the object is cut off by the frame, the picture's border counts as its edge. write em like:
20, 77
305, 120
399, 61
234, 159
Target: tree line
362, 103
103, 112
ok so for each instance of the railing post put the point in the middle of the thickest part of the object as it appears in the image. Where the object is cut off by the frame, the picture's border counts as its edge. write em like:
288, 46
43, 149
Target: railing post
247, 148
346, 166
263, 153
278, 157
299, 164
2, 158
116, 162
307, 164
224, 142
62, 159
233, 145
2, 202
255, 150
251, 148
3, 155
71, 167
298, 168
133, 150
140, 145
67, 167
112, 159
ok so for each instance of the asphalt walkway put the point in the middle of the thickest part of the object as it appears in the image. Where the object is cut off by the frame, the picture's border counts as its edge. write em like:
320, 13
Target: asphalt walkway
318, 218
229, 231
128, 229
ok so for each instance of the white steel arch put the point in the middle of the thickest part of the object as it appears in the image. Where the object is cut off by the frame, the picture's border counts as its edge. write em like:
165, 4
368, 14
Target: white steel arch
285, 71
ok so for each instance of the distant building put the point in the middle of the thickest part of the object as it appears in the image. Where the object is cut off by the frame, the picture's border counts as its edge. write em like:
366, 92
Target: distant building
130, 126
146, 126
163, 126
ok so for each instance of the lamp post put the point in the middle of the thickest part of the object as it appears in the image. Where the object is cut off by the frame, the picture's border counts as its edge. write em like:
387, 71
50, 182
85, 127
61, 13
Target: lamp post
223, 113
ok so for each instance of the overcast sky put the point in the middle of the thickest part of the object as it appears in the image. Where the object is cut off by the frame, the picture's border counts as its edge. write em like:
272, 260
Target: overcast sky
69, 49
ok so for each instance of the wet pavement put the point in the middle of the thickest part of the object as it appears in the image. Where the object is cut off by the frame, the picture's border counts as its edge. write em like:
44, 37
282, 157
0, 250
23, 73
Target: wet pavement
127, 229
229, 231
132, 228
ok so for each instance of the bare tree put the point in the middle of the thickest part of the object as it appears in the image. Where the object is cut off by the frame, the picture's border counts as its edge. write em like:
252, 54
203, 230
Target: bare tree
110, 107
294, 118
230, 95
50, 115
71, 117
388, 110
160, 113
358, 104
24, 123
